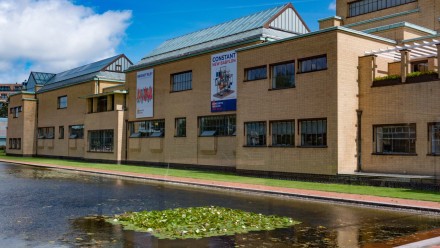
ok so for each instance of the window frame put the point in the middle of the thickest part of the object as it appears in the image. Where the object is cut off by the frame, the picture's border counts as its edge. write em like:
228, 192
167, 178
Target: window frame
151, 134
301, 60
59, 102
172, 83
176, 126
100, 107
42, 132
60, 132
369, 6
246, 135
271, 68
375, 140
246, 71
227, 128
431, 140
271, 133
101, 133
300, 134
76, 137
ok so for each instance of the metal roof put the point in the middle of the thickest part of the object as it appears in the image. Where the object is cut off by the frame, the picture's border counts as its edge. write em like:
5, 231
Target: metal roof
95, 70
262, 25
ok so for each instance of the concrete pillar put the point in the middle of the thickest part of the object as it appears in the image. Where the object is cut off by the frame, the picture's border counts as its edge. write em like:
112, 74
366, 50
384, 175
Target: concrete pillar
438, 59
404, 64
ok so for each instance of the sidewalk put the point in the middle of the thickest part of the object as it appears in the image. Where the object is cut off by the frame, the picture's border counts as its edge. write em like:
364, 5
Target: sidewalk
309, 194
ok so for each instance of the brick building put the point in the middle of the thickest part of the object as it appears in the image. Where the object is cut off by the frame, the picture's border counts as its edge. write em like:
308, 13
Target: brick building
263, 93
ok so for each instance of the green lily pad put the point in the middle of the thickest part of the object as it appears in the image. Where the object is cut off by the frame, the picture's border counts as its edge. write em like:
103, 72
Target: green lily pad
199, 222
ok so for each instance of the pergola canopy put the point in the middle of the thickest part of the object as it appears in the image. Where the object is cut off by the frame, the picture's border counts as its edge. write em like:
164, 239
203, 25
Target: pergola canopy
417, 50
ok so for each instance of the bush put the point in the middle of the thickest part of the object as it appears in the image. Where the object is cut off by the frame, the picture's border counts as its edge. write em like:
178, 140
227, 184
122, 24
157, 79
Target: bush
389, 77
421, 73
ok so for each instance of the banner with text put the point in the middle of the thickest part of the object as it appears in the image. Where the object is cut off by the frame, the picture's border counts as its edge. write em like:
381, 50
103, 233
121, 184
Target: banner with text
144, 93
224, 82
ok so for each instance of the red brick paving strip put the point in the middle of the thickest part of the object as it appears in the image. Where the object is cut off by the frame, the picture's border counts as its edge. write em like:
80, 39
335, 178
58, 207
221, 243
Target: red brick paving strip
314, 194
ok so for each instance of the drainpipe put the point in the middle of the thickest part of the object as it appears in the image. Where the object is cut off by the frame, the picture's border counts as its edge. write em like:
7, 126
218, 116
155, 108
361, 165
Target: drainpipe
438, 59
36, 125
359, 141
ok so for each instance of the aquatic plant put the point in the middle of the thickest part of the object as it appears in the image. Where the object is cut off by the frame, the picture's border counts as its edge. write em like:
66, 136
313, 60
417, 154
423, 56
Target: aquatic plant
199, 222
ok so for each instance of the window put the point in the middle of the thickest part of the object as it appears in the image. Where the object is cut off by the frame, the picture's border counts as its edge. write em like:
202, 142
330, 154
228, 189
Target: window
76, 132
368, 6
220, 125
16, 111
15, 143
46, 132
255, 73
434, 138
283, 133
419, 66
152, 128
101, 141
102, 104
313, 64
61, 132
255, 133
181, 81
180, 127
62, 102
118, 68
395, 139
313, 132
283, 75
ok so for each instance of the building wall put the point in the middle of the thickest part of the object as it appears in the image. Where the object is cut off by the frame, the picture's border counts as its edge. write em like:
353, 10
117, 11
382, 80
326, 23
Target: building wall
407, 103
190, 104
427, 16
24, 125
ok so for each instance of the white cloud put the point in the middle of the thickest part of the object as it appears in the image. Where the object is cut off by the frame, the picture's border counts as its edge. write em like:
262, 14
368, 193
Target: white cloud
332, 5
54, 35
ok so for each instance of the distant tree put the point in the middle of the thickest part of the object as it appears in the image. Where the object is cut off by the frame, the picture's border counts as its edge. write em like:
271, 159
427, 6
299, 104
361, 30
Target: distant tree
3, 109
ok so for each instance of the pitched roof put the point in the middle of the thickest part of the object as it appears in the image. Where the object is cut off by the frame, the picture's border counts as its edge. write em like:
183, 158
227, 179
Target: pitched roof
277, 23
102, 69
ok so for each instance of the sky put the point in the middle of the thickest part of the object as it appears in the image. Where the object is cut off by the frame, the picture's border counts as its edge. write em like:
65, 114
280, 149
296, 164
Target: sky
57, 35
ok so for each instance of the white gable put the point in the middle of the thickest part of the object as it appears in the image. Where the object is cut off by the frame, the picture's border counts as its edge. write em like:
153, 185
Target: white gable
289, 21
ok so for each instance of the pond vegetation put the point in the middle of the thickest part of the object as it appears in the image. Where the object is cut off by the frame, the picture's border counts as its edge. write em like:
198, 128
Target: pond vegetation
199, 222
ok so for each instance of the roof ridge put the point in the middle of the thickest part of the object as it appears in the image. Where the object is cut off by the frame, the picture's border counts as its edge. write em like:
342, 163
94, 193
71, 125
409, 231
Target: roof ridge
243, 17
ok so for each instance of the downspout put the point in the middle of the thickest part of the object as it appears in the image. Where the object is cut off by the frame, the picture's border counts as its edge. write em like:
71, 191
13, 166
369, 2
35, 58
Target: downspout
359, 141
36, 124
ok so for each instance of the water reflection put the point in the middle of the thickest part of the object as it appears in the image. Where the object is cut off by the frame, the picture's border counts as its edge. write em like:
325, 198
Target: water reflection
49, 208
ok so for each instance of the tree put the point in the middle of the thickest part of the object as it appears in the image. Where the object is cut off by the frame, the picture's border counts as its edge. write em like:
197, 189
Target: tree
3, 109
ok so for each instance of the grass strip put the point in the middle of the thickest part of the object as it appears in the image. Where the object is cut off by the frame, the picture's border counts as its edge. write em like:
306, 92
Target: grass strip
403, 193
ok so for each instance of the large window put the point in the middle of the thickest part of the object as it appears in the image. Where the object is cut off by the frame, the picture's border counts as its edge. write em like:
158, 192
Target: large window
46, 132
255, 73
219, 125
101, 141
255, 133
368, 6
151, 128
15, 143
313, 132
434, 138
419, 66
180, 127
395, 139
62, 102
283, 133
181, 81
76, 132
313, 64
283, 75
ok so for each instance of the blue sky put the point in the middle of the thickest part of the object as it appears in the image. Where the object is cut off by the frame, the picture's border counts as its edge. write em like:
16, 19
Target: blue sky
56, 35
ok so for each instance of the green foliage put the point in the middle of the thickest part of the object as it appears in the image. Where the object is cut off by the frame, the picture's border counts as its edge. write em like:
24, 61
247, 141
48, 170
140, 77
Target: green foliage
3, 109
421, 73
199, 222
389, 77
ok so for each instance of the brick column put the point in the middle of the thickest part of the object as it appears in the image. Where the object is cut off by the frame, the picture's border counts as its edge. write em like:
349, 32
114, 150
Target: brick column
404, 64
438, 59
